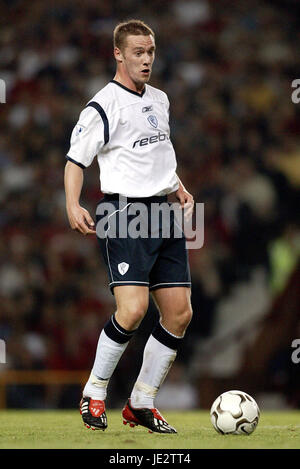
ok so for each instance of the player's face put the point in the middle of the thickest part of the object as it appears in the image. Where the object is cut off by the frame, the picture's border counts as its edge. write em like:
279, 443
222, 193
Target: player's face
138, 56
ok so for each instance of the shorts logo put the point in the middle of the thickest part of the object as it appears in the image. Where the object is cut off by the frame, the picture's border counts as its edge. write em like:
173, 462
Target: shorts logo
153, 120
123, 267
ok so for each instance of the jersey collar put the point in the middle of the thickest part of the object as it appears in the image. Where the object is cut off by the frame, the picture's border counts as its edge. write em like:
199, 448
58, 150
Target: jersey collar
128, 89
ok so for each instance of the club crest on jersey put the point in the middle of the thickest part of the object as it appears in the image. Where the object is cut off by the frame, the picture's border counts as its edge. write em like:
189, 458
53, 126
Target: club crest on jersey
153, 120
123, 267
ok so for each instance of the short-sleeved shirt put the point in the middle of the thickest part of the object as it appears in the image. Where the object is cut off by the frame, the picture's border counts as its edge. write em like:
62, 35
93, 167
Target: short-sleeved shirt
129, 134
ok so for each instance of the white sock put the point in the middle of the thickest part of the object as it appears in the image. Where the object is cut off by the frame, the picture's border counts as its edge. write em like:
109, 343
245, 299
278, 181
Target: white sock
108, 355
157, 360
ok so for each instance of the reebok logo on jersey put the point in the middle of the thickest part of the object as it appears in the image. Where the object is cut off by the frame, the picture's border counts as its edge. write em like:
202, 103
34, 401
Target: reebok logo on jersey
123, 267
147, 109
153, 139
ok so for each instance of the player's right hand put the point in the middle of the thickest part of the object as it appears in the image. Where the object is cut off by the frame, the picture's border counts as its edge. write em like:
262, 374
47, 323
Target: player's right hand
80, 220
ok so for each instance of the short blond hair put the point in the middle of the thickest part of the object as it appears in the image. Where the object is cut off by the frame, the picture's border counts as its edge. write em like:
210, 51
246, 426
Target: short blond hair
131, 27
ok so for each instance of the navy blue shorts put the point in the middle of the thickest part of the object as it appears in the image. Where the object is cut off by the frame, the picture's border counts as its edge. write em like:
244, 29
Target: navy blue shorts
156, 258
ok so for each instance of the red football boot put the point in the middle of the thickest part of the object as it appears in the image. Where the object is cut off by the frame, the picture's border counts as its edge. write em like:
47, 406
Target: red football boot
149, 418
93, 413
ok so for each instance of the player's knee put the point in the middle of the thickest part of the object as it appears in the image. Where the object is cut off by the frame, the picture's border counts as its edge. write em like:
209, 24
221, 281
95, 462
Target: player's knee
132, 315
184, 318
137, 315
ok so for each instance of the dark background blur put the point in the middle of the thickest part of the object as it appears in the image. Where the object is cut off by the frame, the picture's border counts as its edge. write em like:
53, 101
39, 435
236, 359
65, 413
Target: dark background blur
227, 68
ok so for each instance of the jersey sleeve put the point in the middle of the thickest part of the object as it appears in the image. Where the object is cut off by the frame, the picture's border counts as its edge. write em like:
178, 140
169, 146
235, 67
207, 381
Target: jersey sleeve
87, 138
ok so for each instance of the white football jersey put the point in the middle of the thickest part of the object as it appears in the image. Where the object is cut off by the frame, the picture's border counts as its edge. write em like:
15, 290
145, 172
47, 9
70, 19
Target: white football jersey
130, 135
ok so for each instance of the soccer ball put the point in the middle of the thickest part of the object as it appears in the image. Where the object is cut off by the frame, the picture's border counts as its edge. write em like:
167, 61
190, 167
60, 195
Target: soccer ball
235, 413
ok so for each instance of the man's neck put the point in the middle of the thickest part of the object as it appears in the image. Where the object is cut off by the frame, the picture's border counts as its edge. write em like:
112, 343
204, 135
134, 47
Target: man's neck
128, 83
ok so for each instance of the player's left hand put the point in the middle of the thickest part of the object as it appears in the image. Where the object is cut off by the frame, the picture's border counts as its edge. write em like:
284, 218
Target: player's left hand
186, 201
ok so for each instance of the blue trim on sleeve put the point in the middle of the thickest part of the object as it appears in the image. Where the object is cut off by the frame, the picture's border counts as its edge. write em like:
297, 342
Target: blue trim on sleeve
75, 162
104, 119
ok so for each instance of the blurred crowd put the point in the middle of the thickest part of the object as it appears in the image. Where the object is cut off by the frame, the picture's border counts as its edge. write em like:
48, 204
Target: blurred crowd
227, 69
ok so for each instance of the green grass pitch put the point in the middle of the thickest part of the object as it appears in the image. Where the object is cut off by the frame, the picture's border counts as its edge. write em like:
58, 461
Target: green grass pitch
64, 429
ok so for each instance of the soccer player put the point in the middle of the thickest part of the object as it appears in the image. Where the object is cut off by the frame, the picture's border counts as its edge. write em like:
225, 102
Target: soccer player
126, 125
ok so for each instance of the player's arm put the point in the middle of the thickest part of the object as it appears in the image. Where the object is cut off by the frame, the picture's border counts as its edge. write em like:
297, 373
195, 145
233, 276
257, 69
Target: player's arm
182, 194
78, 216
185, 199
86, 140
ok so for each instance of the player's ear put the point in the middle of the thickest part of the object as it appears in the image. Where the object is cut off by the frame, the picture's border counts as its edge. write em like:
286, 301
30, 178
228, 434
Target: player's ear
118, 55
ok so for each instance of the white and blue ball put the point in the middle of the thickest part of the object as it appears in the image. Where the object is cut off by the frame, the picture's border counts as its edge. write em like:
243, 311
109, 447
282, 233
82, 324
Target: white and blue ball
234, 412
